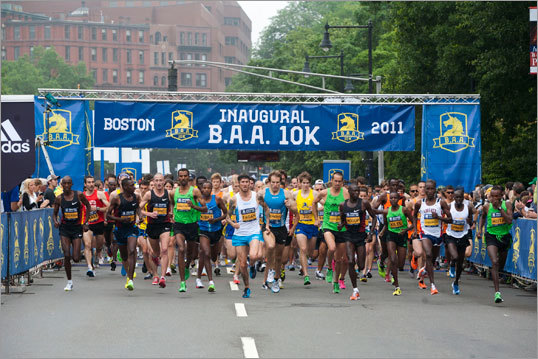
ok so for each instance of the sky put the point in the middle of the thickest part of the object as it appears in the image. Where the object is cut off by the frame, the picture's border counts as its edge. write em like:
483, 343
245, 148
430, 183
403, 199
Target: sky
260, 13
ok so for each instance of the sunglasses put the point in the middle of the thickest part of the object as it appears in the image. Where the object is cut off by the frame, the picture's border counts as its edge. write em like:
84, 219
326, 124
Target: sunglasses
413, 190
451, 192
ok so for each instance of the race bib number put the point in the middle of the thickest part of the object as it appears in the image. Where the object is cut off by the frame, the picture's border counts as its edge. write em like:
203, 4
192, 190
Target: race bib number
71, 215
429, 221
497, 219
206, 216
182, 205
334, 217
353, 219
458, 225
275, 215
93, 216
305, 215
395, 222
248, 214
161, 211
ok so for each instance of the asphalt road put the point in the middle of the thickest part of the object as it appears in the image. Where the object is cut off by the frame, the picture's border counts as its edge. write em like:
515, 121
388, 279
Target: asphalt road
100, 318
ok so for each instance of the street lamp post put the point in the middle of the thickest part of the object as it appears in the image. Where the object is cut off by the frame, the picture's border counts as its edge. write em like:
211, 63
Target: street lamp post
326, 45
306, 67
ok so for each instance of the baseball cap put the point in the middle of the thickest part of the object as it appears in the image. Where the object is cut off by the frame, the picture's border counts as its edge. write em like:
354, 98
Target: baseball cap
52, 177
123, 175
319, 181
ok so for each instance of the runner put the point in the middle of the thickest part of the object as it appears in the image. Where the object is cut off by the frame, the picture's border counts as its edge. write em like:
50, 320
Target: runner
99, 204
210, 233
159, 203
417, 256
112, 246
497, 216
371, 238
124, 210
456, 235
353, 215
186, 223
228, 230
333, 197
71, 229
142, 240
247, 237
431, 211
397, 218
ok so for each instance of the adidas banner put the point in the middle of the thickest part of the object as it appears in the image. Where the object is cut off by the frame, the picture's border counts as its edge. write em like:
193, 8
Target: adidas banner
255, 127
18, 140
68, 140
451, 148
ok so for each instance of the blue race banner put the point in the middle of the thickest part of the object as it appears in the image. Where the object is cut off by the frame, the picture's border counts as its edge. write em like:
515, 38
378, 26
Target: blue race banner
451, 145
69, 135
332, 166
3, 243
134, 167
255, 126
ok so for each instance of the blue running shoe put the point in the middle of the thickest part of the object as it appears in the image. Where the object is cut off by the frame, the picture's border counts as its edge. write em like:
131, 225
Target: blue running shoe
123, 272
455, 289
452, 272
252, 272
246, 293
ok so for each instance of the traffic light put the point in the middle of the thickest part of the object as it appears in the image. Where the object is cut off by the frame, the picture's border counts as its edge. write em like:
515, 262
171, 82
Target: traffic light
172, 78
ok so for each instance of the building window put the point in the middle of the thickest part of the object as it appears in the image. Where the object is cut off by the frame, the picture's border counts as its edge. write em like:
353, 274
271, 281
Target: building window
67, 53
201, 80
204, 39
47, 32
67, 32
197, 58
186, 79
155, 80
128, 35
94, 33
232, 21
182, 38
141, 57
229, 59
115, 76
189, 38
155, 58
94, 74
93, 53
16, 32
163, 81
141, 77
16, 52
157, 37
231, 40
80, 33
103, 34
115, 54
140, 36
105, 54
32, 32
80, 54
196, 38
128, 77
129, 57
163, 58
105, 75
204, 58
188, 57
170, 56
114, 35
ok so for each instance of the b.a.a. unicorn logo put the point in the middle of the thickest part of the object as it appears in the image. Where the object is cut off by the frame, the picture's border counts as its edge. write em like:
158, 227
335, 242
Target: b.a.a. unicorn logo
59, 135
532, 252
50, 241
26, 252
454, 136
130, 170
17, 250
182, 126
515, 246
1, 243
348, 128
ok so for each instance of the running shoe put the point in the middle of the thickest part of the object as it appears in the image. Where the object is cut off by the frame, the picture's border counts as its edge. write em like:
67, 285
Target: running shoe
101, 261
199, 283
113, 266
155, 281
387, 278
258, 265
173, 268
134, 275
233, 268
336, 288
355, 296
283, 274
129, 285
69, 287
162, 282
301, 273
90, 273
123, 271
421, 273
236, 279
275, 288
168, 272
452, 272
369, 274
182, 287
455, 288
434, 290
397, 291
262, 267
320, 275
246, 293
309, 261
341, 284
271, 276
498, 298
252, 272
307, 280
391, 280
422, 285
280, 284
414, 262
204, 273
148, 276
329, 276
211, 288
381, 269
217, 271
144, 268
363, 278
265, 286
291, 267
187, 272
118, 256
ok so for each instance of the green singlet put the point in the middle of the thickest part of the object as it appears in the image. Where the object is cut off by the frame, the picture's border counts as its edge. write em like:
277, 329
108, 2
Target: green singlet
331, 211
496, 225
397, 219
183, 213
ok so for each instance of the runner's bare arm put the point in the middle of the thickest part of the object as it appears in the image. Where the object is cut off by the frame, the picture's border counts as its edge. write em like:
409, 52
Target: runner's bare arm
446, 211
231, 206
85, 202
145, 200
197, 195
485, 209
114, 203
55, 211
317, 199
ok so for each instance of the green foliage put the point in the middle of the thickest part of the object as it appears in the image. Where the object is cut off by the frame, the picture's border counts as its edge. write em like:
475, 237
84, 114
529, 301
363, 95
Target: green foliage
45, 69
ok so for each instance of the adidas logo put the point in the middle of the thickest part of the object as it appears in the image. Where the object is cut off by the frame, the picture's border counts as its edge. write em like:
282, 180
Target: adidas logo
11, 141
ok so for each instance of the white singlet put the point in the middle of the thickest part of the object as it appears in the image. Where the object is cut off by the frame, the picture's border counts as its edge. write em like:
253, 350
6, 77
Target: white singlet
459, 226
430, 226
248, 215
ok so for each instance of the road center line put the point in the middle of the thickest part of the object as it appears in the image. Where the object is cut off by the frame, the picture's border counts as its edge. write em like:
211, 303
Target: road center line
249, 347
240, 310
233, 286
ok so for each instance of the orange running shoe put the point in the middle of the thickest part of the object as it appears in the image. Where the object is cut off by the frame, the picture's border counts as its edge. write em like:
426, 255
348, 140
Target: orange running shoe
422, 285
434, 290
355, 296
414, 262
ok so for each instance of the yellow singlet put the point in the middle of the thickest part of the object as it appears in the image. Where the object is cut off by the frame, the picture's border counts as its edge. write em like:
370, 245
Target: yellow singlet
304, 207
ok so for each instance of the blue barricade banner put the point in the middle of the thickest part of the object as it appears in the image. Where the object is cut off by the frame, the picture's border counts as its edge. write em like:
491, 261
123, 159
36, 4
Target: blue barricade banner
69, 137
134, 167
521, 258
3, 243
255, 127
33, 240
451, 145
332, 166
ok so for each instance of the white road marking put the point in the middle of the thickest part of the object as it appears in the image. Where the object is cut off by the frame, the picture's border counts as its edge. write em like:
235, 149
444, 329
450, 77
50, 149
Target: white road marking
240, 310
233, 286
249, 347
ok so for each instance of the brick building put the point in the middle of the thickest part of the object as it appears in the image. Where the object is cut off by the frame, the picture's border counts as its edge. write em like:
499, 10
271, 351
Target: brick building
127, 44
